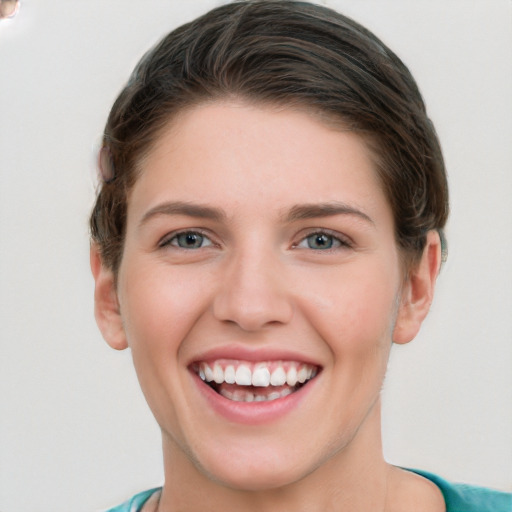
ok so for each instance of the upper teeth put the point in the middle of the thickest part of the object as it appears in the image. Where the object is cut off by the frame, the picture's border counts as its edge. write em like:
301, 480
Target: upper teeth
264, 374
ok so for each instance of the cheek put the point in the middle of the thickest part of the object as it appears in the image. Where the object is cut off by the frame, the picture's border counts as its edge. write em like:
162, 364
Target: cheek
159, 306
354, 311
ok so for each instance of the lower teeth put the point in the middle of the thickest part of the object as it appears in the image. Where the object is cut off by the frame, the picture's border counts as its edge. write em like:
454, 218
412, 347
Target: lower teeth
248, 396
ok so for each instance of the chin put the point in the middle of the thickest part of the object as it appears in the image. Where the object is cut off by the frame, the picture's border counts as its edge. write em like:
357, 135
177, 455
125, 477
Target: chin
256, 479
256, 469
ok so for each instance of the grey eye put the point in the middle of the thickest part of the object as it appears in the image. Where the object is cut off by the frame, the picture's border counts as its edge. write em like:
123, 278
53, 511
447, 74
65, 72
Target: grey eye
320, 241
190, 240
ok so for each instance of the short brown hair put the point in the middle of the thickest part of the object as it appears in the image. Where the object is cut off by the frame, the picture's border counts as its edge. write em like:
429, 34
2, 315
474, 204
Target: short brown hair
288, 53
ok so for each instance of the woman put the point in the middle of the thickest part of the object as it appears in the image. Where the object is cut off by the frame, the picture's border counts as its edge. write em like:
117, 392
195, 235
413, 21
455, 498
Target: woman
270, 222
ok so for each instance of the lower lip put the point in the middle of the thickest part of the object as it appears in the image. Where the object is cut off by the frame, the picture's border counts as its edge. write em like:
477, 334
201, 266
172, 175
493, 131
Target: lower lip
253, 413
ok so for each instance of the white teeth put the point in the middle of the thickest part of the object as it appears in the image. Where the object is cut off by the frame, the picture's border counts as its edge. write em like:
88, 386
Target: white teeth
302, 375
243, 376
246, 396
261, 377
218, 374
291, 376
229, 374
278, 377
257, 375
208, 372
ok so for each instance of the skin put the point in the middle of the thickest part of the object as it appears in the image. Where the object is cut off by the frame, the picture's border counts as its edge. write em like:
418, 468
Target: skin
256, 283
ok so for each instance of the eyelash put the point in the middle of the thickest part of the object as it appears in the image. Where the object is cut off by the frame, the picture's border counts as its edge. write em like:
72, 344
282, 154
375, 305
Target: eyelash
168, 240
336, 240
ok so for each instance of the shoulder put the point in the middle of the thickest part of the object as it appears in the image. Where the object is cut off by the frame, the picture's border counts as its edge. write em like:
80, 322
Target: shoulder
469, 498
409, 491
136, 503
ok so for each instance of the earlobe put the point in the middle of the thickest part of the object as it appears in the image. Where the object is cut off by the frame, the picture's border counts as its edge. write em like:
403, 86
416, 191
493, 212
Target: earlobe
106, 305
418, 291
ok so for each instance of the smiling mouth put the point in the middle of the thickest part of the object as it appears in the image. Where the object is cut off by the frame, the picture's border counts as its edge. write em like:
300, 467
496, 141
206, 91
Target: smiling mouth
243, 381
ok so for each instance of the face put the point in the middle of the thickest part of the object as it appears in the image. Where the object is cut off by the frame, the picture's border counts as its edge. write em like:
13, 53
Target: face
258, 290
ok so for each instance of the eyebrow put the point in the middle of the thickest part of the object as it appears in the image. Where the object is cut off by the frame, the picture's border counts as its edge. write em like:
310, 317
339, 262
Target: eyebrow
183, 208
311, 211
296, 213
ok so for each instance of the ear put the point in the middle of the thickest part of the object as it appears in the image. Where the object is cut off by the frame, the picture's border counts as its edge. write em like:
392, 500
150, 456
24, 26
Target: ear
418, 291
106, 304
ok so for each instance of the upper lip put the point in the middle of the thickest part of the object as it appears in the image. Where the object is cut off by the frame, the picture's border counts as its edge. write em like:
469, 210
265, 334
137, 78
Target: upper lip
251, 354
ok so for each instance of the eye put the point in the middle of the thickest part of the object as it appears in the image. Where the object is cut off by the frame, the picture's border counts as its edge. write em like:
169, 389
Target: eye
188, 240
321, 241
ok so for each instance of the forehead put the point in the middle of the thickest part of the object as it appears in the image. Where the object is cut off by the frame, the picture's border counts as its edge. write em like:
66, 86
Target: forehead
240, 155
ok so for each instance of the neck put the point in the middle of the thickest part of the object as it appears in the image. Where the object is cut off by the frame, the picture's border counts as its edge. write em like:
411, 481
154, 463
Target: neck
353, 479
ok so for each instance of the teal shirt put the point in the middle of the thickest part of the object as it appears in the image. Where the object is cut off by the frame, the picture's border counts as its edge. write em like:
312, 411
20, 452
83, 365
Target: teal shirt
470, 498
135, 504
458, 497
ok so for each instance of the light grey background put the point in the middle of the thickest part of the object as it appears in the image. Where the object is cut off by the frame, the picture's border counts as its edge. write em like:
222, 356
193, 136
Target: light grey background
75, 432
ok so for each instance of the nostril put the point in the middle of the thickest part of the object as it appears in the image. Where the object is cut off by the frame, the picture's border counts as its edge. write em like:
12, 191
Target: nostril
253, 292
255, 312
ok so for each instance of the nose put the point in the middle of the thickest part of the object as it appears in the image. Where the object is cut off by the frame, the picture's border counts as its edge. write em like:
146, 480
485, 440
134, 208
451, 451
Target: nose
253, 293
